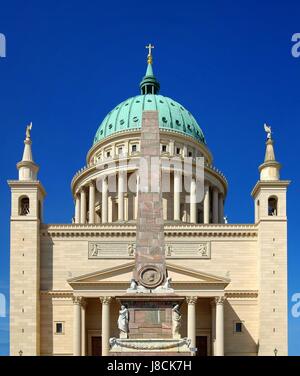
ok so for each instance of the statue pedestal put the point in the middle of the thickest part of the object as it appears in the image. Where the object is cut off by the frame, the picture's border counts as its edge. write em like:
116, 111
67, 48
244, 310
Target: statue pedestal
150, 315
154, 346
123, 335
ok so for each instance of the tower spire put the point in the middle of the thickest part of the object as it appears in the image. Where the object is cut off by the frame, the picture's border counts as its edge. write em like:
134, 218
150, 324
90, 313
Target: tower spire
27, 154
269, 170
149, 84
27, 168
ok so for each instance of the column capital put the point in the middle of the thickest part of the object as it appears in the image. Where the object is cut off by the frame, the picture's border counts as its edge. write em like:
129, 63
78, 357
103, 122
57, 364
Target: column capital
78, 300
191, 299
91, 183
220, 299
178, 172
105, 299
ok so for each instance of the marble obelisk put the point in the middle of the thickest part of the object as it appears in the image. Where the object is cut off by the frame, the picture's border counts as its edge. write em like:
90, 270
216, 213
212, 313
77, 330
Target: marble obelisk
150, 266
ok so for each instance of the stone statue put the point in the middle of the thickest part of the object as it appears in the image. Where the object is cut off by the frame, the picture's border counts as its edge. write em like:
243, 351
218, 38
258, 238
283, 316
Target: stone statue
167, 284
168, 250
134, 288
131, 249
176, 321
123, 321
133, 284
165, 288
268, 130
28, 130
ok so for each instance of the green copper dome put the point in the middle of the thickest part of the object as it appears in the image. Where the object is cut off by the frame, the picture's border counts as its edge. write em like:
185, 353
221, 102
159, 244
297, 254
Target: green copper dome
127, 115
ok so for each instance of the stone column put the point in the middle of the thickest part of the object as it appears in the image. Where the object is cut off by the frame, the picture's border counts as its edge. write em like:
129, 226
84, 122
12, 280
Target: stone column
77, 326
82, 205
215, 205
193, 204
83, 333
92, 202
113, 150
213, 326
219, 348
121, 196
221, 208
185, 153
77, 208
105, 300
111, 209
206, 204
104, 200
177, 185
172, 147
127, 203
191, 319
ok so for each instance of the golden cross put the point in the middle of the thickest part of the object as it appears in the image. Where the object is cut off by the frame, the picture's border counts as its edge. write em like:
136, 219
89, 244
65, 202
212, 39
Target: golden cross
149, 47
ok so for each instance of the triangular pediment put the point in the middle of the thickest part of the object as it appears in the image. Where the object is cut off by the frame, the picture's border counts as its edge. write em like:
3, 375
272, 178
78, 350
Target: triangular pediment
123, 274
181, 274
117, 274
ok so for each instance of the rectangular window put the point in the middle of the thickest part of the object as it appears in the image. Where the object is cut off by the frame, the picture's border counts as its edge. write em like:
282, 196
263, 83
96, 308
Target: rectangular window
238, 327
120, 150
164, 148
59, 328
108, 154
190, 154
178, 151
134, 148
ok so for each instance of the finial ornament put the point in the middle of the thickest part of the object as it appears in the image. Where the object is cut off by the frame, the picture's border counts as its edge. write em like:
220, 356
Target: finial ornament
28, 130
149, 57
268, 130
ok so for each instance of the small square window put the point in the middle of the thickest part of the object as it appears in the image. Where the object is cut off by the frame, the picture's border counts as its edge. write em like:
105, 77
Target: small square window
164, 148
134, 148
238, 327
59, 328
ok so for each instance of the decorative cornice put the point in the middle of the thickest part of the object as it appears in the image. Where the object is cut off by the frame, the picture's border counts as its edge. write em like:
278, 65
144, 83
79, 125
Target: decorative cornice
19, 184
269, 184
58, 294
129, 229
241, 294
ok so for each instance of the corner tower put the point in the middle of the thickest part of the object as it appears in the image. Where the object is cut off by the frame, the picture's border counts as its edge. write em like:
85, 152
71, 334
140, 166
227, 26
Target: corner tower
269, 196
27, 196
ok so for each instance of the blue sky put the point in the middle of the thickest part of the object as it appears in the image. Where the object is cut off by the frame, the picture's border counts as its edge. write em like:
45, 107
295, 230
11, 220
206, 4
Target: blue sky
229, 62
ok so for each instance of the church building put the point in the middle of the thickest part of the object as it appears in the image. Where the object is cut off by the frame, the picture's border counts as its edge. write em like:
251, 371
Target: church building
156, 273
